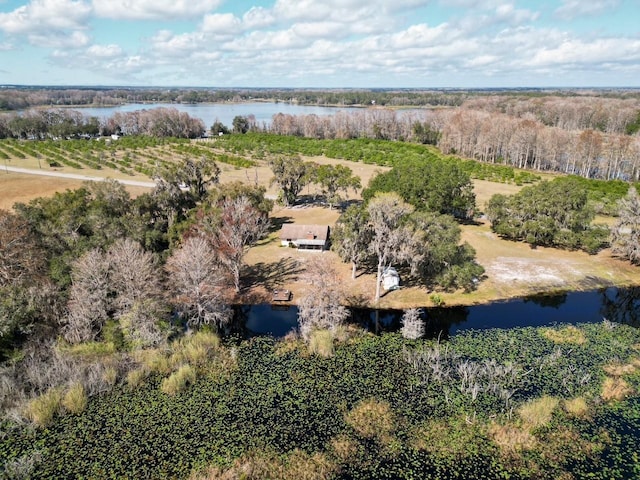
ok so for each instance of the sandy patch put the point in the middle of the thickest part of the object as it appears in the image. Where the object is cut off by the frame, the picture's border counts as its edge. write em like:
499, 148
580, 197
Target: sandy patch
531, 271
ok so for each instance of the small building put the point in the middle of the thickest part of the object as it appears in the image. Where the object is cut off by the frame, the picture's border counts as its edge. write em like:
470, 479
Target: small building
390, 279
305, 237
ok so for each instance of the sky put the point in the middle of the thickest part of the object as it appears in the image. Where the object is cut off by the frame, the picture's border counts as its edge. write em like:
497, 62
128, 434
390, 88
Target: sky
321, 43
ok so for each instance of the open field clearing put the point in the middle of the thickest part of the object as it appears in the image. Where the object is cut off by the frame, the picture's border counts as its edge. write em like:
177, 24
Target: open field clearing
513, 269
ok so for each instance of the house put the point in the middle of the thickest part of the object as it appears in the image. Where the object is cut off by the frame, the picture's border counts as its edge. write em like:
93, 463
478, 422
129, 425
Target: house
305, 237
390, 279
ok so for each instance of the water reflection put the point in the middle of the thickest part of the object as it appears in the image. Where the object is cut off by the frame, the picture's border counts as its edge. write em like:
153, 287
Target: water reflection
622, 305
617, 305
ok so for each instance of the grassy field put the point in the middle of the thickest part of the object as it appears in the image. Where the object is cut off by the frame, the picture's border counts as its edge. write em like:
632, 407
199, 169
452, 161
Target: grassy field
512, 269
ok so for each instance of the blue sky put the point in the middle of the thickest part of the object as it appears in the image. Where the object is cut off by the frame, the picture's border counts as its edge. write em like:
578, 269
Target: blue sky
328, 43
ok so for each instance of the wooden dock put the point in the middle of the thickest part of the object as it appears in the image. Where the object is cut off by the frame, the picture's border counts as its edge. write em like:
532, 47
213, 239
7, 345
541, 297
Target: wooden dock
281, 295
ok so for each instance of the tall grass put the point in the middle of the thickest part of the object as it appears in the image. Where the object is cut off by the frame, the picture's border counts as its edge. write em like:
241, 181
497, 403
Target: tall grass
42, 409
321, 343
538, 412
179, 381
565, 335
75, 399
615, 388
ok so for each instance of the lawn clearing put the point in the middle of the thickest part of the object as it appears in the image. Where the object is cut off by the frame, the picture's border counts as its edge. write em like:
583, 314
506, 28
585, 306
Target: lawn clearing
513, 269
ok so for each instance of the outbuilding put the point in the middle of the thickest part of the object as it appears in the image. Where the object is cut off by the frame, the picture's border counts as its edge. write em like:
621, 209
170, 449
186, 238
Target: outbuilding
390, 279
305, 237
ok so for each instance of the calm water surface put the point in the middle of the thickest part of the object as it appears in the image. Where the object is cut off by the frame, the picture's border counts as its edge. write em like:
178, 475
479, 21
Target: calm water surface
223, 112
616, 305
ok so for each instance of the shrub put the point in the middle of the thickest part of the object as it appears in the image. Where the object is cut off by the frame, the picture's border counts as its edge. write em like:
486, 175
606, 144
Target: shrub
437, 300
178, 381
75, 400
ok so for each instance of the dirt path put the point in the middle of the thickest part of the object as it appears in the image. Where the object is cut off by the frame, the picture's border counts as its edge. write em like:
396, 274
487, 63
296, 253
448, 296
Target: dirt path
75, 176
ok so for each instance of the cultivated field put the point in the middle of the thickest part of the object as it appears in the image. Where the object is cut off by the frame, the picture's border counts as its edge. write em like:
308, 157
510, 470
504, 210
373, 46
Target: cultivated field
512, 269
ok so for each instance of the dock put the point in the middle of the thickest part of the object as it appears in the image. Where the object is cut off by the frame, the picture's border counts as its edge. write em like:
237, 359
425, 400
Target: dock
282, 295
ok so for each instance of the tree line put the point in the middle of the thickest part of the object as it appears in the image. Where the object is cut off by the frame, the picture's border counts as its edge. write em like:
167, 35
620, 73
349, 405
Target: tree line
66, 123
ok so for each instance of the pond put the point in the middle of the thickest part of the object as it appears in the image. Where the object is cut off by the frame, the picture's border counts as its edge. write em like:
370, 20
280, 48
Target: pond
621, 305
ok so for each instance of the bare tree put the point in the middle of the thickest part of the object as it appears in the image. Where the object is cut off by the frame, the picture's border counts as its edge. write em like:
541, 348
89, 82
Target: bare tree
89, 303
135, 278
412, 324
625, 235
240, 226
390, 238
196, 280
321, 308
122, 284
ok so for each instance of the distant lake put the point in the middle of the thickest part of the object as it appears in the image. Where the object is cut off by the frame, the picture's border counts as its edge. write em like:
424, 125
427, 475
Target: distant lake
223, 112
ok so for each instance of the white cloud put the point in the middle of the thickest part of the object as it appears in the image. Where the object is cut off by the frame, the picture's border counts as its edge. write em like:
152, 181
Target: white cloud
221, 23
599, 51
42, 16
165, 44
153, 9
258, 17
55, 39
108, 61
320, 29
104, 51
571, 9
507, 13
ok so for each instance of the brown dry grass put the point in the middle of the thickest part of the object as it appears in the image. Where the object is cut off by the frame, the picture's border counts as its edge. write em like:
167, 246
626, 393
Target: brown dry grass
576, 407
510, 438
296, 465
620, 369
372, 419
615, 389
565, 335
22, 188
537, 412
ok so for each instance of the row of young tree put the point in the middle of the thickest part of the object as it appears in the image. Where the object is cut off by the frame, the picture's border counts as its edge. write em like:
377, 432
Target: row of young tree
67, 123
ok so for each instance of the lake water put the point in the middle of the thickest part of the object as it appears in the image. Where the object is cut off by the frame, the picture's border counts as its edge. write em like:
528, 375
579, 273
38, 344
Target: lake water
616, 305
223, 112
